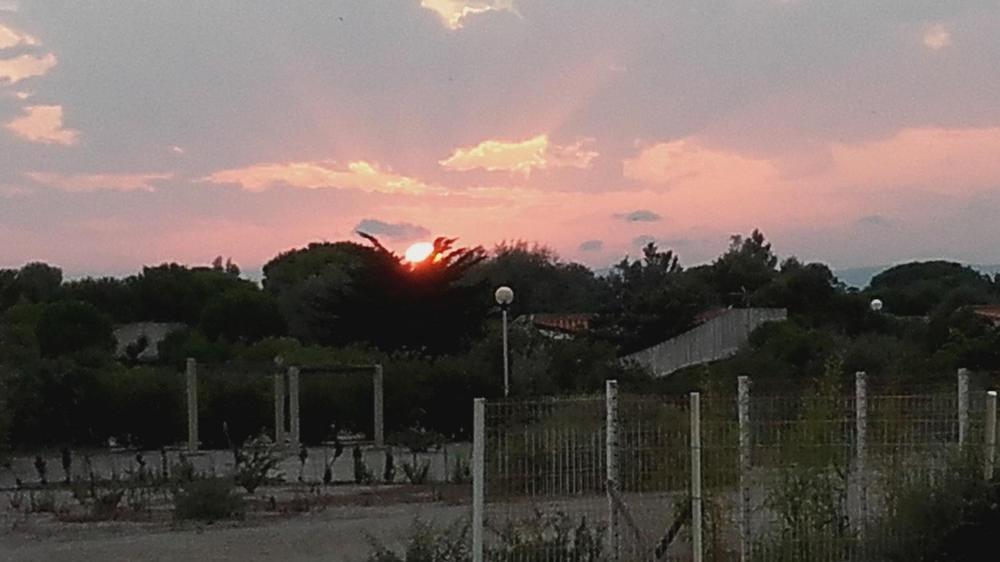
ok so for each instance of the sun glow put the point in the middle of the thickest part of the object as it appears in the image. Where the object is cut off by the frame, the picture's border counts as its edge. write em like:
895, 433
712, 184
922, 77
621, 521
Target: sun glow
419, 252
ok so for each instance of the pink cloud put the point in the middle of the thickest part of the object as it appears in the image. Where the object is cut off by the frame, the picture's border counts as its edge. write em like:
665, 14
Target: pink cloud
10, 37
453, 13
15, 69
43, 124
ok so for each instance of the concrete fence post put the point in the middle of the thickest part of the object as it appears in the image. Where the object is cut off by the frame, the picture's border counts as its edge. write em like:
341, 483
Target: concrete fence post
191, 373
963, 407
478, 477
991, 434
279, 408
696, 508
861, 450
743, 407
378, 381
294, 416
611, 461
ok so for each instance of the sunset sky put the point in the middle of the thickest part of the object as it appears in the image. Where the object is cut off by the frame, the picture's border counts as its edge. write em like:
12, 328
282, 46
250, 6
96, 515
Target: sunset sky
856, 132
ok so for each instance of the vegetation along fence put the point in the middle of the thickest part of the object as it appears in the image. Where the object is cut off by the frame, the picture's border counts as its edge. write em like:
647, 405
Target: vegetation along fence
817, 476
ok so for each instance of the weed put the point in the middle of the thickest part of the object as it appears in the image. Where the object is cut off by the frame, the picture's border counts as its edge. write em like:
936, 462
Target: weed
417, 472
254, 461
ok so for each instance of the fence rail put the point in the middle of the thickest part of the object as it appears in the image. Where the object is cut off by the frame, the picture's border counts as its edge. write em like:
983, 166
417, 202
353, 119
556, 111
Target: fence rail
715, 477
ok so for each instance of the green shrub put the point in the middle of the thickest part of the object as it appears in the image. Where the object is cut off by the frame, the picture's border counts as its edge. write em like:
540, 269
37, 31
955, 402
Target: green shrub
208, 500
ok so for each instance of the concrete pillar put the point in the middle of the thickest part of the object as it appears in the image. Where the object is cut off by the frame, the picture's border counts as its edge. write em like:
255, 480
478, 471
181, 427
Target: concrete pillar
963, 406
478, 477
293, 406
279, 408
696, 500
611, 460
377, 386
861, 451
191, 373
991, 434
743, 408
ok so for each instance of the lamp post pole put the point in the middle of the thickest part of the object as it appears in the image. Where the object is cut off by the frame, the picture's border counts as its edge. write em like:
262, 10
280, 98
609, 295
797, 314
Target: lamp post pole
504, 296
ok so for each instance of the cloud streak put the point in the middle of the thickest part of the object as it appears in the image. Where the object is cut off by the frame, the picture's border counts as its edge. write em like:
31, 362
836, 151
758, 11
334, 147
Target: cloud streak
360, 175
642, 215
90, 183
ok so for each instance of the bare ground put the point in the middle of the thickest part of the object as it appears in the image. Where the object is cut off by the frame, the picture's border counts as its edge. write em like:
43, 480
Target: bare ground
335, 532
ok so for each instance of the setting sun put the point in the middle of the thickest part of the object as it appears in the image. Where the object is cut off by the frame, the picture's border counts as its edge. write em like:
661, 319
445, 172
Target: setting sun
419, 252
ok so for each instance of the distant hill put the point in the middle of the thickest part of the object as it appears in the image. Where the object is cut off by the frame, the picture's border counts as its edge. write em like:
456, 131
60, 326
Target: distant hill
860, 277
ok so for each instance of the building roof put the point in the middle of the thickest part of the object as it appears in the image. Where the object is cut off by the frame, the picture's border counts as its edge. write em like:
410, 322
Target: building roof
568, 323
990, 312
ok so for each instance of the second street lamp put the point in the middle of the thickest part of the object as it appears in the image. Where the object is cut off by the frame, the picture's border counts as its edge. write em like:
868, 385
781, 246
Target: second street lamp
504, 296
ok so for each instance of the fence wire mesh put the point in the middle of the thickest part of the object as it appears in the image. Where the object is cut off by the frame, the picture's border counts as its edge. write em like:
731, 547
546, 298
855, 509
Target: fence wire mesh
812, 477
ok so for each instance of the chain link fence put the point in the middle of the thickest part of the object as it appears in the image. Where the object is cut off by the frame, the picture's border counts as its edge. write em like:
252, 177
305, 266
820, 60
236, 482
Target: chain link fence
718, 476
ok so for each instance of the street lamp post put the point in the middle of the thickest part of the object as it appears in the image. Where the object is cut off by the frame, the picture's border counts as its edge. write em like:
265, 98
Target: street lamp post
504, 296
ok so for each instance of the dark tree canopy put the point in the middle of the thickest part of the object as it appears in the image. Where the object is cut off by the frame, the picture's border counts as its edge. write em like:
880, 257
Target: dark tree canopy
747, 266
653, 299
69, 327
335, 294
922, 288
541, 282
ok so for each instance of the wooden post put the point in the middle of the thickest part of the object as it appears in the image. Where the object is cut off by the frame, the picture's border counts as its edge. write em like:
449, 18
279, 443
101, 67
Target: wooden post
991, 434
293, 406
192, 403
743, 407
279, 408
963, 407
696, 515
611, 460
378, 380
478, 477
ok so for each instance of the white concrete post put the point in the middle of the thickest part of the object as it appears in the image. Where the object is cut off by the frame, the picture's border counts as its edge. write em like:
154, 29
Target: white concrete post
611, 461
861, 451
743, 407
696, 516
293, 406
963, 406
192, 403
478, 476
991, 433
279, 408
378, 380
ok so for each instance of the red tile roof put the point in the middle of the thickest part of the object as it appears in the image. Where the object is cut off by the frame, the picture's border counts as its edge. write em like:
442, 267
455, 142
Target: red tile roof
571, 323
990, 312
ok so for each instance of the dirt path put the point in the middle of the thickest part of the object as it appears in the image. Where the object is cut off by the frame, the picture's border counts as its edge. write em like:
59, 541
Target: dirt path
336, 534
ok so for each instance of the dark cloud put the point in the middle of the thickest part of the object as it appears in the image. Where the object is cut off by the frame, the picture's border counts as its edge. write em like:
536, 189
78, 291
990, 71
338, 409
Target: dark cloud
641, 215
878, 221
393, 231
592, 246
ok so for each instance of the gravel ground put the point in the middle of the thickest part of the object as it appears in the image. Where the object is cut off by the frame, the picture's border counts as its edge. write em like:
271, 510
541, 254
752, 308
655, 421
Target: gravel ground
335, 534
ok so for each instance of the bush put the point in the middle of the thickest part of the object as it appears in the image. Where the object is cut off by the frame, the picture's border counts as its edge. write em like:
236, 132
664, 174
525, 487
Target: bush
424, 543
208, 500
952, 515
